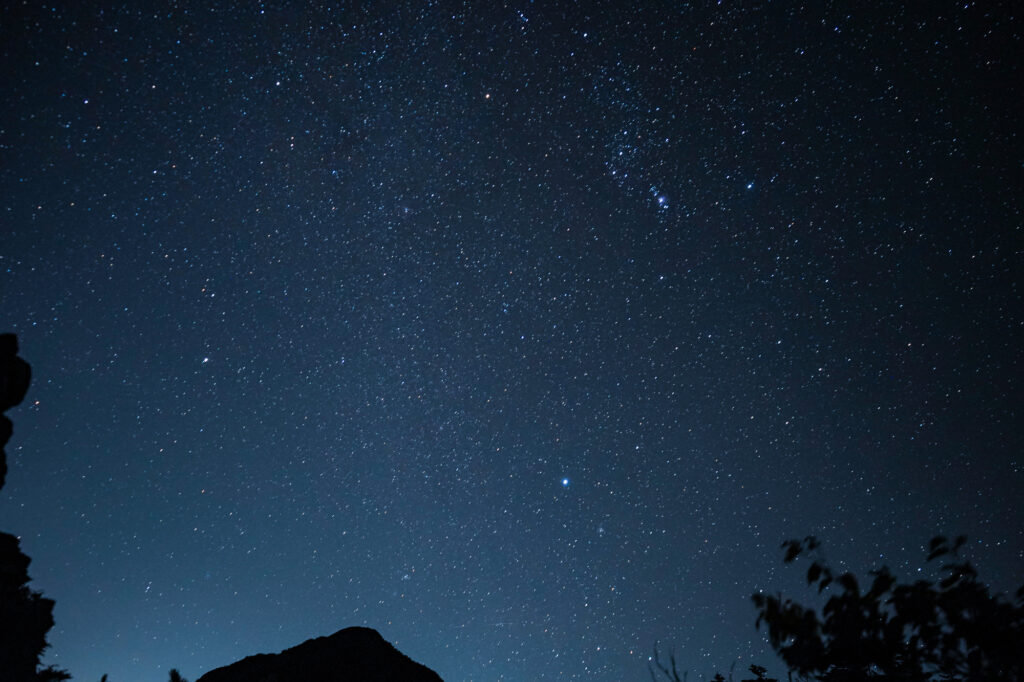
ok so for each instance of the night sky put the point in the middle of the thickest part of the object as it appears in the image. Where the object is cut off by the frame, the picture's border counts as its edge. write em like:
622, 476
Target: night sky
522, 333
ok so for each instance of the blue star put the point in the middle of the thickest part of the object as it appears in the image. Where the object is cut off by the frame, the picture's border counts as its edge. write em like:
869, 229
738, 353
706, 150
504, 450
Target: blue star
565, 482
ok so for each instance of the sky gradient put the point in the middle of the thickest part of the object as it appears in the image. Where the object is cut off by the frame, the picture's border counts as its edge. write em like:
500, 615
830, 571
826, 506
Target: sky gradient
523, 334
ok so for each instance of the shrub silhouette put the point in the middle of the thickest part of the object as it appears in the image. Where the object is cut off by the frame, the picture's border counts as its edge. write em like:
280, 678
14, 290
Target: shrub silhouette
670, 672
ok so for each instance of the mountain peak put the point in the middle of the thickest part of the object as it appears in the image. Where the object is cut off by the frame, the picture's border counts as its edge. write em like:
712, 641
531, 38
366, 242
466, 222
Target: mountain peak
355, 654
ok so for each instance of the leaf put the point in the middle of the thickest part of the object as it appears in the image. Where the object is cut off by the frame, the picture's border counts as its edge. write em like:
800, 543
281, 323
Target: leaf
884, 580
849, 582
937, 547
960, 541
793, 549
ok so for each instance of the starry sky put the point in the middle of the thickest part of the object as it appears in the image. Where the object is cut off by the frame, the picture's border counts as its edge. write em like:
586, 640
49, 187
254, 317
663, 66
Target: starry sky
521, 332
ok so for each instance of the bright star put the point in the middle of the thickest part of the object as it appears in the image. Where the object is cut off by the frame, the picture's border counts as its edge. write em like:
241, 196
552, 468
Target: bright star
565, 482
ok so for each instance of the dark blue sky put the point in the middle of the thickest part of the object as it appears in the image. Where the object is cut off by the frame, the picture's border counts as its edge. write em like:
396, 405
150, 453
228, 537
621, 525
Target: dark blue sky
522, 334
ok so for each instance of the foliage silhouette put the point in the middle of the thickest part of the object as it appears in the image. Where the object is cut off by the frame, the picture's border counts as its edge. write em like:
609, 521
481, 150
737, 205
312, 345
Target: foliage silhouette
175, 676
924, 631
911, 632
25, 615
670, 671
52, 674
15, 375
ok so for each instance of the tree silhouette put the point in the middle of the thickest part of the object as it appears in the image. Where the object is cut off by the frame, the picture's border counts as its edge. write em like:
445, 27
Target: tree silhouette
924, 631
176, 676
25, 615
910, 632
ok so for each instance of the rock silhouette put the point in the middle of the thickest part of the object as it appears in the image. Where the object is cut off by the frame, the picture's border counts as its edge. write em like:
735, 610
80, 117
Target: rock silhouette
351, 655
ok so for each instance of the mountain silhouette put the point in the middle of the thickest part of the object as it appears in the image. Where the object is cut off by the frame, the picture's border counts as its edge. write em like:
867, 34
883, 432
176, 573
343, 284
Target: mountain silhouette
349, 655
